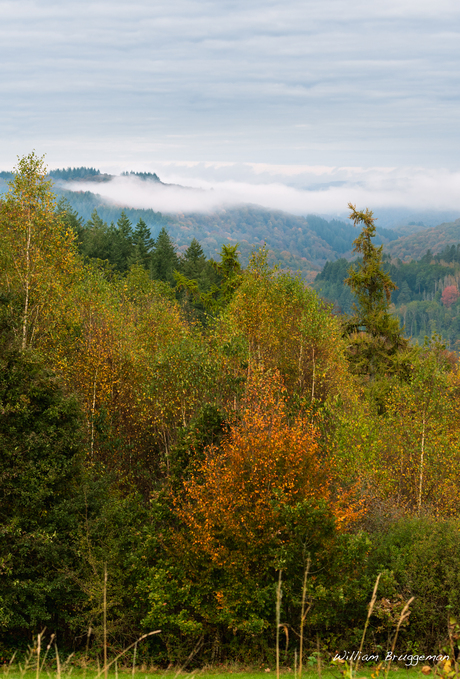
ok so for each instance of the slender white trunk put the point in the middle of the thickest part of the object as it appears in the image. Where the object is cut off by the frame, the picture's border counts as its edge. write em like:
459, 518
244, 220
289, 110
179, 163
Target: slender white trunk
93, 411
422, 463
313, 377
25, 318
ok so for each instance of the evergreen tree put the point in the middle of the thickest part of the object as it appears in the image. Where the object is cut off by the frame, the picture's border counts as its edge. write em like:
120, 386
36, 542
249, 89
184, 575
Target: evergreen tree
164, 259
143, 245
40, 474
194, 260
124, 243
96, 239
375, 335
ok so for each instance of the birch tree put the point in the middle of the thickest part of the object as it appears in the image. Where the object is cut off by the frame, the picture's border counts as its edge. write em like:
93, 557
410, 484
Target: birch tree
35, 245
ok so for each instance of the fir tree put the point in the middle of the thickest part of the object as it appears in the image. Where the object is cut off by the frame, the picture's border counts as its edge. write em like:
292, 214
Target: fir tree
164, 259
143, 245
375, 336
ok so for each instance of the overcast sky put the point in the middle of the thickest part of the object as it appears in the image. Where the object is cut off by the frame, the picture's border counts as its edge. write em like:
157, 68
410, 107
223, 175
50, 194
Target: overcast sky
148, 85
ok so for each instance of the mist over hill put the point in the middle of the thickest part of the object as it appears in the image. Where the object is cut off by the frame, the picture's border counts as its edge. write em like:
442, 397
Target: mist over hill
298, 243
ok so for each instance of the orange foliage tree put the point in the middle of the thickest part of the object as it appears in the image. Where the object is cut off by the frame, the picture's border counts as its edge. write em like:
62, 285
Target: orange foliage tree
262, 502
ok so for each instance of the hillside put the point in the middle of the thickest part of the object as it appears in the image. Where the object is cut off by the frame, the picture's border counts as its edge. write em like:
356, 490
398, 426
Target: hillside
414, 246
294, 242
191, 449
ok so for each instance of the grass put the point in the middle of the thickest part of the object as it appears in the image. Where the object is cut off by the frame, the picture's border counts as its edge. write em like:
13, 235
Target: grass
207, 673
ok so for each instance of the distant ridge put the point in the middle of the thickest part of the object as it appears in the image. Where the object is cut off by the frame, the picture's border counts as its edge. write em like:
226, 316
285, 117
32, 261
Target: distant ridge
416, 245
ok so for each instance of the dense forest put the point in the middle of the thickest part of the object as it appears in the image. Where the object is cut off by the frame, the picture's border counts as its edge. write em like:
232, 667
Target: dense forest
179, 435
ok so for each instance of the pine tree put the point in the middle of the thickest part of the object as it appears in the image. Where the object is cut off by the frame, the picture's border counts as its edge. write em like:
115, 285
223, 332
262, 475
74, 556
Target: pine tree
194, 260
375, 335
143, 245
164, 259
124, 243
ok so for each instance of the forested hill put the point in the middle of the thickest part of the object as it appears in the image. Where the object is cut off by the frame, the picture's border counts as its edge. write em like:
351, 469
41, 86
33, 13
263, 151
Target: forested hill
414, 246
296, 243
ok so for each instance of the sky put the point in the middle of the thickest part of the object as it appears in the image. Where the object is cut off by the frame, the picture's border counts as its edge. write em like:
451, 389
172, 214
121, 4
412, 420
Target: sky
329, 99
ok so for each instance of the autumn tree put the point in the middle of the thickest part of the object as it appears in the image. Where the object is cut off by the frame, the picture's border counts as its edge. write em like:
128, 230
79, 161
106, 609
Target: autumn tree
286, 327
449, 295
419, 437
37, 248
260, 501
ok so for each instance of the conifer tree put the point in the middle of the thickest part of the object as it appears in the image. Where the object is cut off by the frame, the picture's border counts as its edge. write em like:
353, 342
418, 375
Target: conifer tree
143, 245
124, 242
164, 260
376, 339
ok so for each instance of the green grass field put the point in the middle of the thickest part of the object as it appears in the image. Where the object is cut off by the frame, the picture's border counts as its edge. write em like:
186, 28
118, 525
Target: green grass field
70, 672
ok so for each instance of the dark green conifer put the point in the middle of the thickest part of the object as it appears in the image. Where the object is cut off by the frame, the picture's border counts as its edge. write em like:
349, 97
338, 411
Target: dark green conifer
143, 245
164, 259
376, 340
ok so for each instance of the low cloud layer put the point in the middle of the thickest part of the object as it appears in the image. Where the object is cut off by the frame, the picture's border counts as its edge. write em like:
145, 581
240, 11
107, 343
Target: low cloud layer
299, 190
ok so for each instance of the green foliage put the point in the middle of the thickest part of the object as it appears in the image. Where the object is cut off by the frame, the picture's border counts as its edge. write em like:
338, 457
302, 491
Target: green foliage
143, 245
216, 282
420, 557
376, 343
40, 472
370, 284
164, 260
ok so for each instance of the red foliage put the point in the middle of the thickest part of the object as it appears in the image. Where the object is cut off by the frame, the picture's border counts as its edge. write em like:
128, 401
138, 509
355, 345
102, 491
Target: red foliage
450, 295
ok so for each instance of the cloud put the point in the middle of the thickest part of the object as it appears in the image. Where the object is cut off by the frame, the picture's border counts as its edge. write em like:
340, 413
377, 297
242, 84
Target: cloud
292, 82
323, 190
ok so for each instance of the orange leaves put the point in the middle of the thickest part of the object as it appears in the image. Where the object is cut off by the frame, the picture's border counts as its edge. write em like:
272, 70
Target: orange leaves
234, 508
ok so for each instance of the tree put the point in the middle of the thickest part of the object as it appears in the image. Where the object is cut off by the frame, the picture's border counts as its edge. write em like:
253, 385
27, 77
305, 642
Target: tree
40, 474
449, 295
286, 327
375, 335
124, 243
143, 245
194, 260
36, 247
259, 502
164, 259
213, 295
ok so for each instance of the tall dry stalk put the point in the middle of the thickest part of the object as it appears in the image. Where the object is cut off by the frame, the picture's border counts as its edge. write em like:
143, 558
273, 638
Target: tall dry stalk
402, 618
39, 646
87, 650
318, 655
47, 651
125, 650
105, 619
58, 663
8, 667
278, 616
303, 614
134, 660
369, 613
